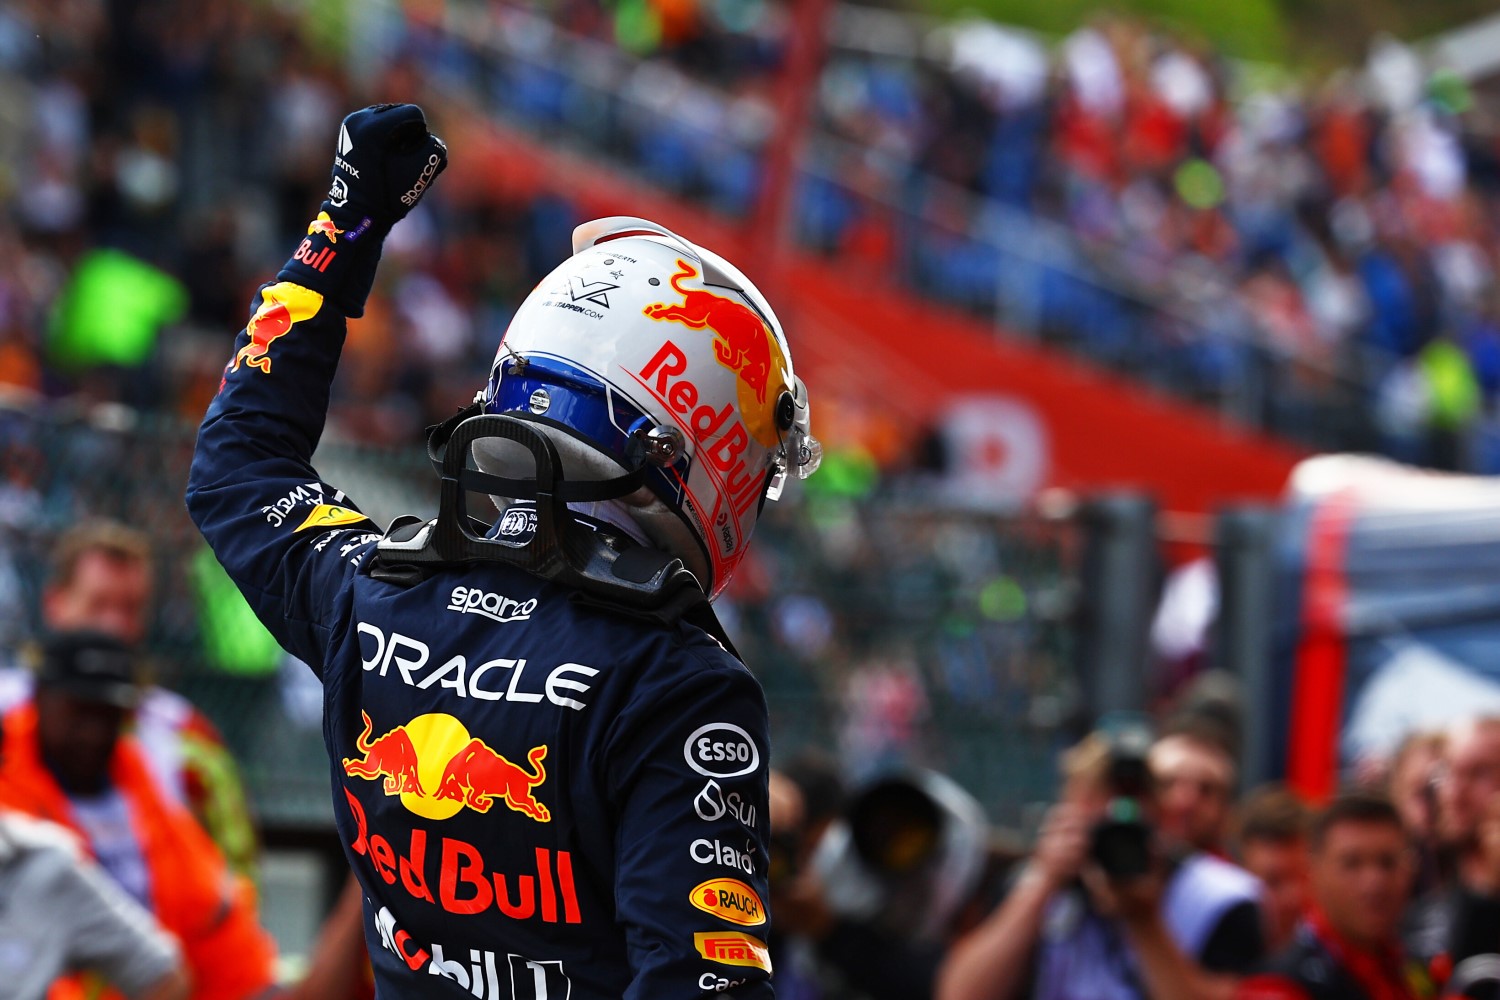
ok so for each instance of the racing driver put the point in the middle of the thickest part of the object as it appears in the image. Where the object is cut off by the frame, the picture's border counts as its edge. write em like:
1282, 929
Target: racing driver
549, 768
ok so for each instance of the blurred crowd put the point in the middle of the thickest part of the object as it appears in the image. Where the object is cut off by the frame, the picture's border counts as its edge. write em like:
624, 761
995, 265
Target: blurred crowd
1136, 195
1160, 204
187, 140
1155, 874
1320, 256
128, 854
1347, 226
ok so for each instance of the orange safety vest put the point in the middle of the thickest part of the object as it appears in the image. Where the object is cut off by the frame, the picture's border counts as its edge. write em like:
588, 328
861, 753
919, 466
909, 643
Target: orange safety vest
194, 895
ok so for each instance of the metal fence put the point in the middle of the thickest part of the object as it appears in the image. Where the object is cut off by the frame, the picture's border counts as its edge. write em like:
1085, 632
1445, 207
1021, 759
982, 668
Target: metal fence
883, 630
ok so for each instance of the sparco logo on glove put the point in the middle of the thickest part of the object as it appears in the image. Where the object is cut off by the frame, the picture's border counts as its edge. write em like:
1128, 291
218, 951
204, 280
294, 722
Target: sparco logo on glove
410, 197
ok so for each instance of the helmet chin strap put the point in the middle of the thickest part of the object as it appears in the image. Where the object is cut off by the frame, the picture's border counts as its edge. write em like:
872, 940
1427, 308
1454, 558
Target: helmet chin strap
604, 568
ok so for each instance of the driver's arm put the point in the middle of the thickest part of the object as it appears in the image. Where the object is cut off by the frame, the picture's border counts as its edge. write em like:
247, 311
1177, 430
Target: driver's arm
289, 540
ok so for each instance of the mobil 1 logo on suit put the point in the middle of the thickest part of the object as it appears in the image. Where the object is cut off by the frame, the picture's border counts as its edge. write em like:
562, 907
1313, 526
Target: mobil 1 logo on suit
721, 750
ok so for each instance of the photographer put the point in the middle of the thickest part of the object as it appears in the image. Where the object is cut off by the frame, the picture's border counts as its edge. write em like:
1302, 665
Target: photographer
1105, 910
1193, 774
869, 893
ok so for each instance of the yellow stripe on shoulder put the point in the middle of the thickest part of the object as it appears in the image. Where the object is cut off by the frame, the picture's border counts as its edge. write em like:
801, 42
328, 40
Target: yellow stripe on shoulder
328, 515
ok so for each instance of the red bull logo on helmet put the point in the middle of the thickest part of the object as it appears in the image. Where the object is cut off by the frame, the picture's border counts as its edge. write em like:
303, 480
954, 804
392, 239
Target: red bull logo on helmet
743, 343
282, 306
722, 439
438, 769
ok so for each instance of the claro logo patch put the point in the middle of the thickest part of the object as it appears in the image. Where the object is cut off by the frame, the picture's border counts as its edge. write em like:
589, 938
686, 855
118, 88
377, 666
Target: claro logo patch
721, 750
729, 899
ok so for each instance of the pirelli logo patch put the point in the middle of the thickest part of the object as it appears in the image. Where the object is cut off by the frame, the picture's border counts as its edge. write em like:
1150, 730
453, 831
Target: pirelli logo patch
733, 948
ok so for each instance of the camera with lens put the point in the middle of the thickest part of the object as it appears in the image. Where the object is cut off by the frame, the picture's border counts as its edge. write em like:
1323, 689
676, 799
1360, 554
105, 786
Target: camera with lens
905, 855
1122, 841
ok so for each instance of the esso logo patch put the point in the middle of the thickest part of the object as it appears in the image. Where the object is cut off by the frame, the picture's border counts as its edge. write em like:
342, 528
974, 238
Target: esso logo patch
721, 750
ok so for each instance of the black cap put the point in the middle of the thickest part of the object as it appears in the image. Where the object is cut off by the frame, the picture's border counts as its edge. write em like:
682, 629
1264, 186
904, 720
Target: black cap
90, 666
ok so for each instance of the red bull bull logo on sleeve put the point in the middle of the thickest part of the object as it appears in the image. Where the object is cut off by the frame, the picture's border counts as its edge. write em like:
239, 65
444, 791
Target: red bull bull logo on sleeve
324, 224
282, 306
438, 769
743, 343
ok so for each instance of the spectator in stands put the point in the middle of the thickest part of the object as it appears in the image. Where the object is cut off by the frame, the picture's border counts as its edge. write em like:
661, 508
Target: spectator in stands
1469, 781
1348, 947
1194, 775
1272, 846
67, 759
1460, 917
1186, 929
101, 579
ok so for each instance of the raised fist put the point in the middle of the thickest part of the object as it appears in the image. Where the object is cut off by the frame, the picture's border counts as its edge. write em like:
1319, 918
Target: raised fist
385, 161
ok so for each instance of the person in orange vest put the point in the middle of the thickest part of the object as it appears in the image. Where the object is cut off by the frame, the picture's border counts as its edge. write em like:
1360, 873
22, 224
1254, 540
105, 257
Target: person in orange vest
67, 759
100, 577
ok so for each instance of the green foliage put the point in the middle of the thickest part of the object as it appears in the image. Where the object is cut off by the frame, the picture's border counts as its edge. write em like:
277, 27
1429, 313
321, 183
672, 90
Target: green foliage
1320, 34
1250, 29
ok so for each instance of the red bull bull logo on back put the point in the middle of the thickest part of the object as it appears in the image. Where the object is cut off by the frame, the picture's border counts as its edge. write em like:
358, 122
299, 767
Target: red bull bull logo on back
392, 757
478, 777
438, 769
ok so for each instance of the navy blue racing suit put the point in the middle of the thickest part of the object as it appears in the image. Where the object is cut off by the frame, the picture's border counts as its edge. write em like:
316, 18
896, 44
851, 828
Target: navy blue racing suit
541, 799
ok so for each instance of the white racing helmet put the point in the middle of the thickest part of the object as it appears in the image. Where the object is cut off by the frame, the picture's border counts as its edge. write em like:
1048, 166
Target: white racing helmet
643, 350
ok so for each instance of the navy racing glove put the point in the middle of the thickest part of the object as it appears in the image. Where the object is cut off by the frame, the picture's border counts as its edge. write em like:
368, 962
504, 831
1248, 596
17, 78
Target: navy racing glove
385, 161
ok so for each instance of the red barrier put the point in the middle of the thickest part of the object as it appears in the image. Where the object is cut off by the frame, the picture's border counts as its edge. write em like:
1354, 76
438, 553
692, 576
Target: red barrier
1322, 656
